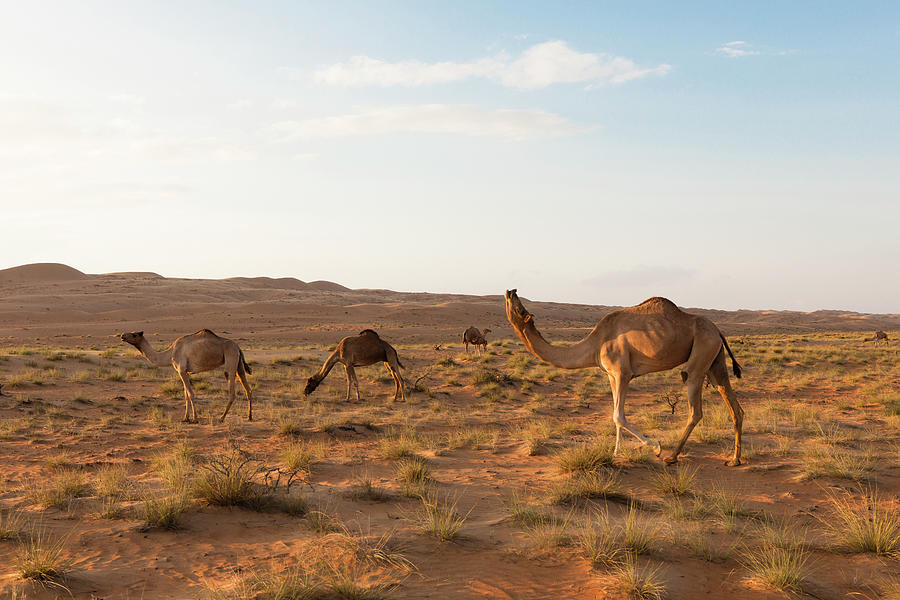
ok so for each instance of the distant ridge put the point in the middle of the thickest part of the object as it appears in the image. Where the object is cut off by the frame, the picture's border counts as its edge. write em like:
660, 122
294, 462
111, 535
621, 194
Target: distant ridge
38, 272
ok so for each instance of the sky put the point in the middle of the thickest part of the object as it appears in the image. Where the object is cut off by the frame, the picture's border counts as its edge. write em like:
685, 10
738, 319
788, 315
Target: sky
723, 155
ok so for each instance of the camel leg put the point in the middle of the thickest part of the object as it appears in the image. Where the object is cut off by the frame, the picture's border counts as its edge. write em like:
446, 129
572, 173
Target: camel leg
188, 397
229, 376
246, 386
719, 373
399, 387
348, 369
619, 385
355, 382
695, 413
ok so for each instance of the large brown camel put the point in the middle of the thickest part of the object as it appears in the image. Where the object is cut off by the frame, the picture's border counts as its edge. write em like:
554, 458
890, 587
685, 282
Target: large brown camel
879, 336
477, 338
653, 336
360, 351
195, 353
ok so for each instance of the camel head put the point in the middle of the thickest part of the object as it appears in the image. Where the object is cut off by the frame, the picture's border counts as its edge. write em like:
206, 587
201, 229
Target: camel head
485, 331
134, 338
515, 312
311, 384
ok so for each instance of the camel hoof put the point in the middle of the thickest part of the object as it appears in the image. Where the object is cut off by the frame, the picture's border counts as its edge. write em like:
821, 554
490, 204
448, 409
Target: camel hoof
733, 463
671, 460
658, 449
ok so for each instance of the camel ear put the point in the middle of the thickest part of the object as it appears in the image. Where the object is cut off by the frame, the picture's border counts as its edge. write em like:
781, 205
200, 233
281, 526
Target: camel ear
140, 333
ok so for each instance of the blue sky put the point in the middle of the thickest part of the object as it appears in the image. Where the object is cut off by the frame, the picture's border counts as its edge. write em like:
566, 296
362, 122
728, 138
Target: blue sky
720, 154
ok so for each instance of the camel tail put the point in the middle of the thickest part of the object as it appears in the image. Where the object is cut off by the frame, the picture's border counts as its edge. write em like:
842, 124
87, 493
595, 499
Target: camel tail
734, 362
244, 364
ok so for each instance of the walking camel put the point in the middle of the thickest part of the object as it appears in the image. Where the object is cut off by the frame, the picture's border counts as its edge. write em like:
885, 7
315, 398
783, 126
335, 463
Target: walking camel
360, 351
475, 337
653, 336
195, 353
879, 336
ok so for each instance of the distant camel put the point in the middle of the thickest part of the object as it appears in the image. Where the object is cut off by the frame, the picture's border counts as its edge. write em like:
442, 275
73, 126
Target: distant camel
879, 336
360, 351
195, 353
653, 336
475, 337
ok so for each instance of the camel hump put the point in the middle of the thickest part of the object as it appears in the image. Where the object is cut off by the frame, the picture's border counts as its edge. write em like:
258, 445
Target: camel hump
656, 304
368, 332
206, 332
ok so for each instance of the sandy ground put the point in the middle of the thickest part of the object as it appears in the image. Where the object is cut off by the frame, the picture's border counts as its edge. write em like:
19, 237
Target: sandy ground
490, 427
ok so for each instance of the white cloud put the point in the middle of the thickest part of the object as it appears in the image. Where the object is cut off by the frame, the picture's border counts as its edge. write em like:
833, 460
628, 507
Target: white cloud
128, 99
239, 104
433, 118
539, 66
165, 147
736, 49
283, 103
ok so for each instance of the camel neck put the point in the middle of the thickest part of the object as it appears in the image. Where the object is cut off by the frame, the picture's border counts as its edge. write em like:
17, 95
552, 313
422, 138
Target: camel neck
159, 359
577, 356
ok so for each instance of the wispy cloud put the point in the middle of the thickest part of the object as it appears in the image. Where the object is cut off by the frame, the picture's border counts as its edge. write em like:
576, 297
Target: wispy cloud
539, 66
642, 275
433, 118
736, 49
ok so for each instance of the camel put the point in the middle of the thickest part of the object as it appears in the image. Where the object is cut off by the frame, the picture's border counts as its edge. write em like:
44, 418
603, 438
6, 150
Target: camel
653, 336
360, 351
195, 353
879, 336
475, 337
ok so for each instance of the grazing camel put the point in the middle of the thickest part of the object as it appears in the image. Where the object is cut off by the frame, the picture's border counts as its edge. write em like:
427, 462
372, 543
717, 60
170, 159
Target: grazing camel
475, 337
195, 353
653, 336
360, 351
879, 336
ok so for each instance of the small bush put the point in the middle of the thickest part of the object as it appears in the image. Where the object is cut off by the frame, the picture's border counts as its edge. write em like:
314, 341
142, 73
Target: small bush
227, 481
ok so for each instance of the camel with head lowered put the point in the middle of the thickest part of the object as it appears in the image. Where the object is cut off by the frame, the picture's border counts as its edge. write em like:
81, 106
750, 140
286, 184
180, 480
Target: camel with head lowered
879, 336
195, 353
476, 337
653, 336
360, 351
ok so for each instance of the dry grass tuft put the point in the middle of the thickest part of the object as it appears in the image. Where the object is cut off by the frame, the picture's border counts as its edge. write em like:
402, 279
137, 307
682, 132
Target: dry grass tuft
438, 517
40, 558
637, 583
677, 482
585, 457
866, 526
780, 568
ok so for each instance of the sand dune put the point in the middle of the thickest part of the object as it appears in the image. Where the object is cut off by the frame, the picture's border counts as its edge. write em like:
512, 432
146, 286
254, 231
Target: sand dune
56, 303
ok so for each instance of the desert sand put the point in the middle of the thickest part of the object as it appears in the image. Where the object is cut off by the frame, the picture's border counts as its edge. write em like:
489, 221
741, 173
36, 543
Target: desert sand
90, 438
